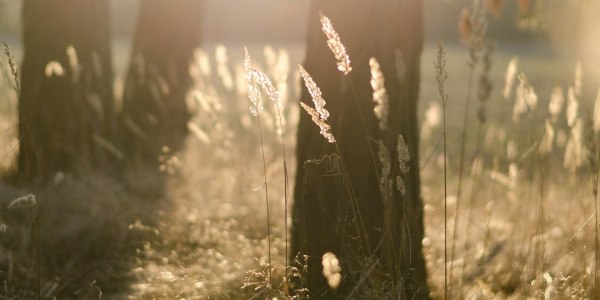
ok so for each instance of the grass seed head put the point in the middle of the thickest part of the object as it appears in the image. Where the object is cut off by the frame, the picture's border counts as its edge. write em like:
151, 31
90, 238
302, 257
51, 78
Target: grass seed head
315, 94
23, 202
335, 44
572, 107
403, 154
509, 77
385, 183
557, 100
400, 186
331, 270
325, 128
253, 90
380, 96
597, 113
54, 68
14, 70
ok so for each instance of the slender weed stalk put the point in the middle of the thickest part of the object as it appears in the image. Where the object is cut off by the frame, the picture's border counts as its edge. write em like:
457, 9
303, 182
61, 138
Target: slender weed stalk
596, 118
441, 77
35, 211
257, 109
266, 185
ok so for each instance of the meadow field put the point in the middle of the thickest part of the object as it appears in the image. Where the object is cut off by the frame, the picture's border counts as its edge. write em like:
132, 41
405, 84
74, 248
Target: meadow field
196, 228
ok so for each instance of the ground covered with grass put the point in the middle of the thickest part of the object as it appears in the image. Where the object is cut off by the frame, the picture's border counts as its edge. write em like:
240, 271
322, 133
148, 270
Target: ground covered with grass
194, 226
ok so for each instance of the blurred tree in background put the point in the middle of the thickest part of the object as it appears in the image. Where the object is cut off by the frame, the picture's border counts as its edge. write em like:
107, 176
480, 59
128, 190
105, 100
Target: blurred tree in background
66, 113
391, 32
154, 106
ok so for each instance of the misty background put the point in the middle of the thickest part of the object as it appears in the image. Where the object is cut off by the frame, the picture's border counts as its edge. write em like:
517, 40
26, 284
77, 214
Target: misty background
270, 21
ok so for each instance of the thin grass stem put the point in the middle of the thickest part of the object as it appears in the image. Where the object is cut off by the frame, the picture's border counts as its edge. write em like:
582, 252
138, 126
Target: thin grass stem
262, 147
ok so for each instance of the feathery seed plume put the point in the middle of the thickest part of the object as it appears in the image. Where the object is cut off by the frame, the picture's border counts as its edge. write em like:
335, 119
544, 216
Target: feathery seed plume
548, 140
54, 68
325, 128
335, 44
315, 93
557, 100
267, 86
400, 185
14, 70
572, 108
509, 77
380, 96
575, 152
441, 73
597, 113
259, 79
222, 68
403, 154
526, 98
331, 270
253, 90
385, 183
403, 159
73, 61
578, 82
23, 202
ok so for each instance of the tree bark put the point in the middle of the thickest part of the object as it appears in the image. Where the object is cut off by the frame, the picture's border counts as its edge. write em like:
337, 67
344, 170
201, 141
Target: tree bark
66, 119
154, 106
390, 31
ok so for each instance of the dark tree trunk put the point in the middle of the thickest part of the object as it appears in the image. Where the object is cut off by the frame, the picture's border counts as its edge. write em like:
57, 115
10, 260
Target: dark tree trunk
154, 106
390, 31
65, 120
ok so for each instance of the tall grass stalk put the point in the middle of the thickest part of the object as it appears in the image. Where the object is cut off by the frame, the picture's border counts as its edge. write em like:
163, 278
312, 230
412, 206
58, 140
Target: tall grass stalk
596, 119
254, 79
474, 37
35, 212
484, 92
279, 110
595, 293
441, 77
461, 163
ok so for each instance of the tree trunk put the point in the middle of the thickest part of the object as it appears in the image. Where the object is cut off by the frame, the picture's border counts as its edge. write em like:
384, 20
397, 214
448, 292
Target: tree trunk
154, 106
390, 31
66, 111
